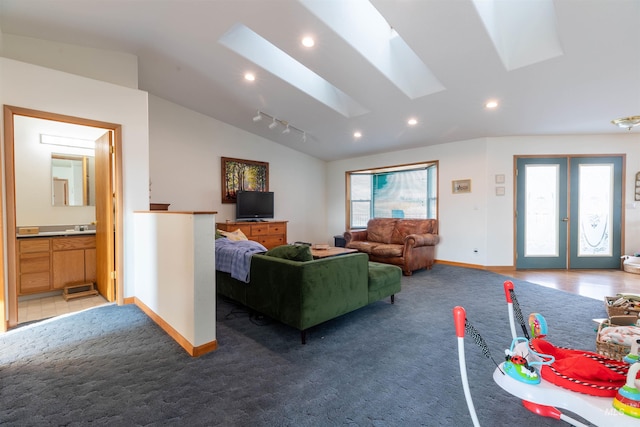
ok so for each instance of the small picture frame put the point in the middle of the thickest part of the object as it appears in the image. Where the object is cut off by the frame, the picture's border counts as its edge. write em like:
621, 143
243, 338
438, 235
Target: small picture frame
500, 178
500, 191
461, 186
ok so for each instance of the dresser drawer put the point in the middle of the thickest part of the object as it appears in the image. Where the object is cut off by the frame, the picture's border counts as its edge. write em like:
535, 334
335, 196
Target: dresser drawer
270, 242
277, 229
260, 230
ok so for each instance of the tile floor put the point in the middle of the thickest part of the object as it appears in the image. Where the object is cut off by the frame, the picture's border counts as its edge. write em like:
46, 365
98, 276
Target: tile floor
50, 306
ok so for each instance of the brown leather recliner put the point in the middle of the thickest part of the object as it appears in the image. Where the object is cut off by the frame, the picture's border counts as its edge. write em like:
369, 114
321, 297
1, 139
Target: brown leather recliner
407, 243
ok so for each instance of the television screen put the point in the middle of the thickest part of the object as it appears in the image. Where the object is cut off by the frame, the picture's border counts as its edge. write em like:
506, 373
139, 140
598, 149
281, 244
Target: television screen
254, 205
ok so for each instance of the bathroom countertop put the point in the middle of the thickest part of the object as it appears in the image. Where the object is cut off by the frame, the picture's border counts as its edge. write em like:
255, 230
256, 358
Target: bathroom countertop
58, 233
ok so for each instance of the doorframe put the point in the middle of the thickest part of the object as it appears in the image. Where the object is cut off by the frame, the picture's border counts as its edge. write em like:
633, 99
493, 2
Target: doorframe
8, 240
568, 156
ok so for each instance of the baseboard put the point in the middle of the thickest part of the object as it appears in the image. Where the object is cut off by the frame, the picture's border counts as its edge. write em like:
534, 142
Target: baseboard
495, 268
177, 337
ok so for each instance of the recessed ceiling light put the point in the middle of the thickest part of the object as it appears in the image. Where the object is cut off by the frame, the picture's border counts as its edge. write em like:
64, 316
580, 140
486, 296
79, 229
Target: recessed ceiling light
491, 104
357, 134
412, 121
249, 76
308, 41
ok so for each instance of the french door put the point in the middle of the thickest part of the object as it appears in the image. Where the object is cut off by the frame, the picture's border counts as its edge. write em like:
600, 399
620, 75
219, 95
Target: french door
568, 212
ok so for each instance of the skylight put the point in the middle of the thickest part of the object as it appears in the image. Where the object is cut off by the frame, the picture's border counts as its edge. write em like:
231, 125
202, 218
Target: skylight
263, 53
365, 29
523, 32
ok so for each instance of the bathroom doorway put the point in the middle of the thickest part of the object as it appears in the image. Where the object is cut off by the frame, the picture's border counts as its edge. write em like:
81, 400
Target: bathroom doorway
108, 202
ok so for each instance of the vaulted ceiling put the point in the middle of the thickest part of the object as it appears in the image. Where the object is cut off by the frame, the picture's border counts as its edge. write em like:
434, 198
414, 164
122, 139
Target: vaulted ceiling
554, 67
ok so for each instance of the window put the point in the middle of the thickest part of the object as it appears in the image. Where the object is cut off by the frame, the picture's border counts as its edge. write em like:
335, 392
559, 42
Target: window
408, 191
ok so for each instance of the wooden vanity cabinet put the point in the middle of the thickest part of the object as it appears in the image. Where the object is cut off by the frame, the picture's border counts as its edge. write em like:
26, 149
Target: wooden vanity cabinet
46, 264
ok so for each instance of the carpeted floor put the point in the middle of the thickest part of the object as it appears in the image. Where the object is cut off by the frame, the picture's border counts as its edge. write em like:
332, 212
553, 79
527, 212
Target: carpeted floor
382, 365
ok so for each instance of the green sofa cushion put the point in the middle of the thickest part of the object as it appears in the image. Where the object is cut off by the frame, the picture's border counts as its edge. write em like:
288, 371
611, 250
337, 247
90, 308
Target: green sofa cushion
384, 280
291, 252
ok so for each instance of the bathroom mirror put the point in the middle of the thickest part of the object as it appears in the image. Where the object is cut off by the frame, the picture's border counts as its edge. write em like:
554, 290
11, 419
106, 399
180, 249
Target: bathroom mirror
72, 180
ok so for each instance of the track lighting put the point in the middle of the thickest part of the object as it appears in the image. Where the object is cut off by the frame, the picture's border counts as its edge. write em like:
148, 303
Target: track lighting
275, 122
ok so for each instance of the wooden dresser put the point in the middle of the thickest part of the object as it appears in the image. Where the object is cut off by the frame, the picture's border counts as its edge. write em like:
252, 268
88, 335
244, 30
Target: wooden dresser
49, 263
270, 233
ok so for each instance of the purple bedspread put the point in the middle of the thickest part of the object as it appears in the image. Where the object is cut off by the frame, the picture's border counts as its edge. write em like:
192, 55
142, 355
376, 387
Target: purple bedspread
234, 257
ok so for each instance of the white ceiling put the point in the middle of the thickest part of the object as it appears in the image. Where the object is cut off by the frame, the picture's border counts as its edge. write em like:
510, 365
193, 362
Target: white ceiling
574, 65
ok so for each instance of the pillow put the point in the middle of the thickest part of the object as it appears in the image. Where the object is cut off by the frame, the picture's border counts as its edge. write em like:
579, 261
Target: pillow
233, 235
291, 252
219, 234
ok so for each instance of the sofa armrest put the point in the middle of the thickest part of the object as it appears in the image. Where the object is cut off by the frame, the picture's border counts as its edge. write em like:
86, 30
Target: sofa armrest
304, 294
355, 235
417, 240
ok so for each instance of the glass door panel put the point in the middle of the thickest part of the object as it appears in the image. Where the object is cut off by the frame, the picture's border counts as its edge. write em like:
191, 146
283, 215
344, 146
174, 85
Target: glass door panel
596, 208
596, 182
542, 210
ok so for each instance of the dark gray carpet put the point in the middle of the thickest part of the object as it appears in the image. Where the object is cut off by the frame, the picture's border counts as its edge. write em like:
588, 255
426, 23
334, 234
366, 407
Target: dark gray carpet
383, 365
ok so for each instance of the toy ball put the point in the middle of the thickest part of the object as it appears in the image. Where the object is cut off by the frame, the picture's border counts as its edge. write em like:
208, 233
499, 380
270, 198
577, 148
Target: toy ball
537, 325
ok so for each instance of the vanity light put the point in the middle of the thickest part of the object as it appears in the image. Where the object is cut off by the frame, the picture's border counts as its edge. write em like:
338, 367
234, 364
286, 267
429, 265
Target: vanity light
273, 124
286, 130
257, 117
67, 141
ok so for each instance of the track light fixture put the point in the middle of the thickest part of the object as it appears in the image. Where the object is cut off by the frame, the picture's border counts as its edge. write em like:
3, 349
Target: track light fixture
275, 122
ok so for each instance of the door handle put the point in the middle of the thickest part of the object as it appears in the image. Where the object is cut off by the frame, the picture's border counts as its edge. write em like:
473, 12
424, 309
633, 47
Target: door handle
565, 219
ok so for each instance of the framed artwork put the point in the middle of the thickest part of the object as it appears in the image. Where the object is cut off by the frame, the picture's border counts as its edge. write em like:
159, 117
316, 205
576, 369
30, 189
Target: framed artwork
243, 175
461, 186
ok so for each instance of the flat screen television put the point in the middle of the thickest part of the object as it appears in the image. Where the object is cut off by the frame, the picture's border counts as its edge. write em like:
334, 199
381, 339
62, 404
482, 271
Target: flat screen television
254, 205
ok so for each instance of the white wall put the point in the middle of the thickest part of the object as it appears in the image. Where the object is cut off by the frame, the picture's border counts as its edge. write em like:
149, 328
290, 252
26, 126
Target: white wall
185, 169
175, 272
30, 86
480, 219
104, 65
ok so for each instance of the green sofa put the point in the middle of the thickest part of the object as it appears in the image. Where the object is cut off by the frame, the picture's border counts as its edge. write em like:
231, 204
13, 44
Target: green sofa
303, 294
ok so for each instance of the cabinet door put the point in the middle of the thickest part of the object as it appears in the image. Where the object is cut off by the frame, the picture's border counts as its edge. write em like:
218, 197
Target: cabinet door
68, 267
90, 265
